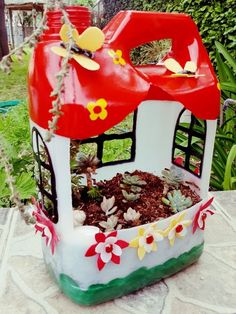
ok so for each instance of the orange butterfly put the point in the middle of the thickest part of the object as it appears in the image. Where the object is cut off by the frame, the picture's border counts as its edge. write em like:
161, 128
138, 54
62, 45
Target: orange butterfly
86, 44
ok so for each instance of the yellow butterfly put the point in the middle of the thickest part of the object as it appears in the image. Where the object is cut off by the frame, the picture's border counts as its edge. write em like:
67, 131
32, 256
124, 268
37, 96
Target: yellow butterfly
85, 45
189, 69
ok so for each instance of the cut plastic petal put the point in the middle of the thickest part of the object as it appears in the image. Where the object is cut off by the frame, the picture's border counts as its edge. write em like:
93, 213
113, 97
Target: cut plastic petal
100, 263
106, 257
190, 66
141, 252
91, 39
122, 244
100, 237
64, 33
122, 61
117, 250
59, 51
154, 247
86, 62
115, 259
134, 242
91, 251
173, 65
118, 53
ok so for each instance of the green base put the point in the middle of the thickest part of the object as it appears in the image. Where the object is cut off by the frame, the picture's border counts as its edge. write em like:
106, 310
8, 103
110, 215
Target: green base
138, 279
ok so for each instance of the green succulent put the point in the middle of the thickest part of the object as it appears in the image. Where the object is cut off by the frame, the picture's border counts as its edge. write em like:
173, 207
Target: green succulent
86, 161
94, 193
177, 201
172, 176
130, 197
133, 180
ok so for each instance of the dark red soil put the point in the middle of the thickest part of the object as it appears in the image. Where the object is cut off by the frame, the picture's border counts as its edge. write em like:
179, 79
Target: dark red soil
149, 205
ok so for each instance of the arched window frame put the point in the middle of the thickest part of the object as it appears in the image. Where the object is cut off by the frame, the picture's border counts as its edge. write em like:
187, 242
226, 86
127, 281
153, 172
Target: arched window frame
189, 150
52, 213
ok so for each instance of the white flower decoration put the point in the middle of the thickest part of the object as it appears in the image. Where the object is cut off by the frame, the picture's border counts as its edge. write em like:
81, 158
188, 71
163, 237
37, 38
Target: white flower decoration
108, 248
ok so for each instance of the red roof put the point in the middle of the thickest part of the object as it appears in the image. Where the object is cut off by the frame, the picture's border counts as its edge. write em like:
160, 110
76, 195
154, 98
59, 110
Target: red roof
123, 87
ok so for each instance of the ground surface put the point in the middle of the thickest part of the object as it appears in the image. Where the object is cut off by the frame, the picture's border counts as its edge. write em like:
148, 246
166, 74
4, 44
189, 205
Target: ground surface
206, 287
14, 85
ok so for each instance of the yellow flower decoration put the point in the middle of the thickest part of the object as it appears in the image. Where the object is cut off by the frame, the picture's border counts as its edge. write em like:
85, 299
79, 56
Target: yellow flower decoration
117, 56
146, 241
97, 109
177, 228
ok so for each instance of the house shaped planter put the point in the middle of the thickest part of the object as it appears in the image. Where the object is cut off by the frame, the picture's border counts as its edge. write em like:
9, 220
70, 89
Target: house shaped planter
92, 266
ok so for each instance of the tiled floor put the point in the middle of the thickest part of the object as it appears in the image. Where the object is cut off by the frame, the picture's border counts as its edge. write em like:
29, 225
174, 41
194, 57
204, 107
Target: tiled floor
207, 287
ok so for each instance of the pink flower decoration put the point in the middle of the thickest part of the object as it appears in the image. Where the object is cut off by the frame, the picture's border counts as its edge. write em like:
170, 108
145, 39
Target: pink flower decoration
199, 220
108, 248
45, 226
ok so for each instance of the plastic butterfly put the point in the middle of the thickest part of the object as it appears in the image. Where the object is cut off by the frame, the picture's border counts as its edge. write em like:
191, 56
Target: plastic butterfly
85, 45
189, 69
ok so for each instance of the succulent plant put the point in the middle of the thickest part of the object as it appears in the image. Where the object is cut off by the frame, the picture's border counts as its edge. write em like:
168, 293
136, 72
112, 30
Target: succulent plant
110, 224
177, 201
131, 215
86, 161
172, 176
133, 180
135, 189
94, 193
87, 164
130, 197
107, 205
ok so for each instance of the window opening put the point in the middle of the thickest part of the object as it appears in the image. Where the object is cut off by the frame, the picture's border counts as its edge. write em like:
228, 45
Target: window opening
189, 142
151, 53
45, 176
116, 145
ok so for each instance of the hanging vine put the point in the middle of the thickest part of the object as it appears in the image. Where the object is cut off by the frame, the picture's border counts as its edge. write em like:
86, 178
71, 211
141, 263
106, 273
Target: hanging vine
5, 65
60, 77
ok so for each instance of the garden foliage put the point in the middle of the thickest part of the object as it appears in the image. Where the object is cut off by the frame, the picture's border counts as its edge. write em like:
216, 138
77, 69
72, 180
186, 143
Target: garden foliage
216, 19
224, 158
14, 128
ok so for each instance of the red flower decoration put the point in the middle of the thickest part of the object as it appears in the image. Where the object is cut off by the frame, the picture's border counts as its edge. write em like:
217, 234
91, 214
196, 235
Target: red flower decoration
108, 248
45, 226
179, 160
199, 220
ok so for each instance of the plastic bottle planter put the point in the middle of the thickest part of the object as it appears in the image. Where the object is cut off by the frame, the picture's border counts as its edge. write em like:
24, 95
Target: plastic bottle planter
93, 266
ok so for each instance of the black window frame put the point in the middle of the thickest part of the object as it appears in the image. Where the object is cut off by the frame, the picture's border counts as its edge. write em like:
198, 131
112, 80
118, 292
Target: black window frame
189, 149
51, 213
100, 139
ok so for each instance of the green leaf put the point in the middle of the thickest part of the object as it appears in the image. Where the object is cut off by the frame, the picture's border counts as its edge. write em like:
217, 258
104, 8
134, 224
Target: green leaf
4, 190
226, 54
231, 87
227, 184
25, 185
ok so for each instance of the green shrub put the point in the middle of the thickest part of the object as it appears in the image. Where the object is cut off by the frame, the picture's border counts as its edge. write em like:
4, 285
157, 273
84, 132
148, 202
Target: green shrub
15, 132
216, 19
224, 158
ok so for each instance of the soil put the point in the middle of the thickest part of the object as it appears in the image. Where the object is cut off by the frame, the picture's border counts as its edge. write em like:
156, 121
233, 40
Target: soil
149, 205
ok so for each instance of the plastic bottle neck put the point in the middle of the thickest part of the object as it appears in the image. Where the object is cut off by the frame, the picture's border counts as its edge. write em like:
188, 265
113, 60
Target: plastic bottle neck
79, 16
